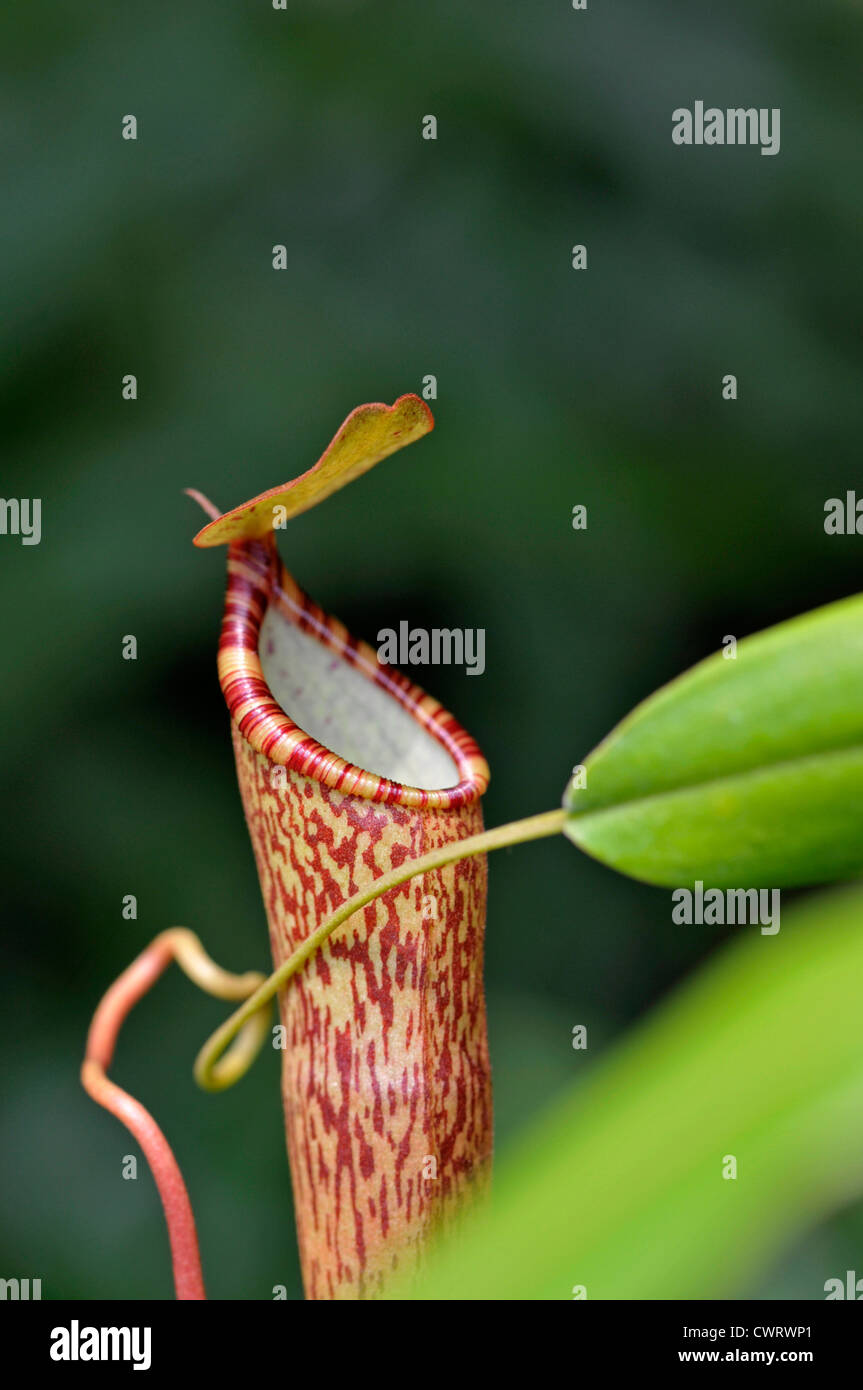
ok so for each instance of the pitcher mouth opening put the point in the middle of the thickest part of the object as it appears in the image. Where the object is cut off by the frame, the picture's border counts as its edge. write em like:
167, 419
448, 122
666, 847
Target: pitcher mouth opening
279, 650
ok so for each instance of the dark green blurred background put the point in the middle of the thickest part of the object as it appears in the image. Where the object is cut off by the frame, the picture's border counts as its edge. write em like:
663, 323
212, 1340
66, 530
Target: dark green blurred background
406, 257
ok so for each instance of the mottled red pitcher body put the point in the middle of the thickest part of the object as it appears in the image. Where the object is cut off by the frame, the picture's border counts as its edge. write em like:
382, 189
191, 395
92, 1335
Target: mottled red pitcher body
347, 771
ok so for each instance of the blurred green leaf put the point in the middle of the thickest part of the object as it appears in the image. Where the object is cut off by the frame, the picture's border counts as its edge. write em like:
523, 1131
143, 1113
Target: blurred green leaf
745, 770
620, 1188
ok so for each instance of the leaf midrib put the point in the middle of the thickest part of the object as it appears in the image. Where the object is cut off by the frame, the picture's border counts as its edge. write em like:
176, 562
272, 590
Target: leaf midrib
763, 770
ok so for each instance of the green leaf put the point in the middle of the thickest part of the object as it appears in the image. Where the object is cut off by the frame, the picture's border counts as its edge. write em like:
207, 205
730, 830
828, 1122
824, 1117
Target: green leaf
620, 1187
742, 772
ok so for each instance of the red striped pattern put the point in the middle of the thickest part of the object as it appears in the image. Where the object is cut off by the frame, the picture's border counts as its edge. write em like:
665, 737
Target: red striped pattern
256, 578
386, 1077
